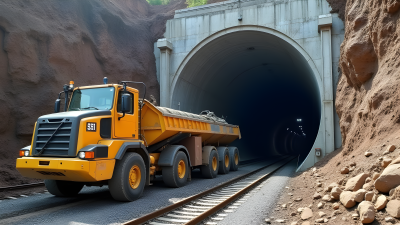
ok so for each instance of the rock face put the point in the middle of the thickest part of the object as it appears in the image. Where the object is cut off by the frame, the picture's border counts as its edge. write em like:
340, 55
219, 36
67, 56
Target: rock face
45, 44
356, 182
390, 178
347, 199
393, 208
368, 90
366, 211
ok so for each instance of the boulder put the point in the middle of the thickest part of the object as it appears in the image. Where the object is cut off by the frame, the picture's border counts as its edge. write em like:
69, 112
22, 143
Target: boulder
306, 214
347, 199
321, 214
359, 195
381, 202
390, 148
335, 193
306, 223
389, 179
353, 164
298, 199
393, 208
317, 196
369, 195
366, 211
335, 206
326, 198
368, 186
368, 154
331, 186
375, 176
368, 180
390, 219
320, 220
356, 182
321, 205
344, 170
385, 162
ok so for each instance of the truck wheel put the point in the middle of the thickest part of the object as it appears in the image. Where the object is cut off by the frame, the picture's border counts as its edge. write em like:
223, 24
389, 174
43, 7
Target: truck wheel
62, 188
129, 178
225, 164
211, 170
176, 175
234, 156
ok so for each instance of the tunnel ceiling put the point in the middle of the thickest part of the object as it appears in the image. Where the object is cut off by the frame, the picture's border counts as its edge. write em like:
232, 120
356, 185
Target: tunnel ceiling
261, 83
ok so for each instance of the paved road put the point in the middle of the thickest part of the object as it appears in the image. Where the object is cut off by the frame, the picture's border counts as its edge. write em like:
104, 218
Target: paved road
94, 205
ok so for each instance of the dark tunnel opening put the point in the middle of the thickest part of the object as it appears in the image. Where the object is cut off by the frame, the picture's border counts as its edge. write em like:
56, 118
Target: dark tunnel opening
259, 82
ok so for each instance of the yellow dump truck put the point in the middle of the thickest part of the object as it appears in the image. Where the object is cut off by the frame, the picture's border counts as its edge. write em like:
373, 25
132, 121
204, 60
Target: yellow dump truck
108, 135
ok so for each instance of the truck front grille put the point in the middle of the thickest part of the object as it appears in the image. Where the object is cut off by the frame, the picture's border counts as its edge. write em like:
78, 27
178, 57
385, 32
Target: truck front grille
58, 144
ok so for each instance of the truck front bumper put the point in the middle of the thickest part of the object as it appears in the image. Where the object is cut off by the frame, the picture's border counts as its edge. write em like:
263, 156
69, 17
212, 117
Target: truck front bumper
71, 169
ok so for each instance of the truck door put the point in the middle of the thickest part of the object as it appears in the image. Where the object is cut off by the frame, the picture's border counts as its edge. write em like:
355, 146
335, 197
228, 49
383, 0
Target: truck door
127, 127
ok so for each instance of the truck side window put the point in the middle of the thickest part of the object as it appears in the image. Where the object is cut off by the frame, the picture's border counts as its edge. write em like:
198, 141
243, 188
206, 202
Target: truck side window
119, 102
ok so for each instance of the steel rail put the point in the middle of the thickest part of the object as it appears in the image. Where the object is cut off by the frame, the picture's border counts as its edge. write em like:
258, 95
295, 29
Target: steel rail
179, 204
21, 186
229, 200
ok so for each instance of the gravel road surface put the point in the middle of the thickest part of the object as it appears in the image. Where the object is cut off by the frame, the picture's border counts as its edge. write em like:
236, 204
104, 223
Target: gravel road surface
94, 205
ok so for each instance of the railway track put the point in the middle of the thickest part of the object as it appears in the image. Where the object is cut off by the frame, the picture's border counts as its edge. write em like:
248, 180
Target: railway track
200, 207
25, 186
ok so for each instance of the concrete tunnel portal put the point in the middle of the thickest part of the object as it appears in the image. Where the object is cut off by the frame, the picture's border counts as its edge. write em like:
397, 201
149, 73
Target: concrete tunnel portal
260, 82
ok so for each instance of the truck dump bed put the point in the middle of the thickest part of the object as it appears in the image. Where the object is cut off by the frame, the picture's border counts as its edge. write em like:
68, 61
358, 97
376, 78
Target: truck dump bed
159, 123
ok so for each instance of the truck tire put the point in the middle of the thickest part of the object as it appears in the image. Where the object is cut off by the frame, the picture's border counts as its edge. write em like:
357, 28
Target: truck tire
129, 178
234, 156
176, 175
62, 188
210, 171
225, 164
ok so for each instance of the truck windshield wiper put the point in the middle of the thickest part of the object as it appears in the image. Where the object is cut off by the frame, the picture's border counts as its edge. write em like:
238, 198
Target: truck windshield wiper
75, 109
90, 107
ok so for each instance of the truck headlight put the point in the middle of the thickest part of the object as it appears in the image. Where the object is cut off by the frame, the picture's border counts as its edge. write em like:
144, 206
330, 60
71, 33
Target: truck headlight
24, 153
86, 155
82, 155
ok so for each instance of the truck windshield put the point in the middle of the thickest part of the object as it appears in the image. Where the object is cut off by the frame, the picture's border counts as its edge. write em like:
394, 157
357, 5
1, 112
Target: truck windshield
92, 99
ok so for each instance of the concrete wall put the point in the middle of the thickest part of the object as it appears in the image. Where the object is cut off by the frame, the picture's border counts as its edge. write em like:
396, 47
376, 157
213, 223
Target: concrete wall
303, 22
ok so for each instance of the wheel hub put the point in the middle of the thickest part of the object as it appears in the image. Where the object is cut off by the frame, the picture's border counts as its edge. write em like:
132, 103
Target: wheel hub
134, 177
226, 160
214, 163
181, 169
236, 159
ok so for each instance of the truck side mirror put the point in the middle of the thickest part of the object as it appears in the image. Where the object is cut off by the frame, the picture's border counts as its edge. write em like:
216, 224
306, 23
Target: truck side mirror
57, 106
126, 102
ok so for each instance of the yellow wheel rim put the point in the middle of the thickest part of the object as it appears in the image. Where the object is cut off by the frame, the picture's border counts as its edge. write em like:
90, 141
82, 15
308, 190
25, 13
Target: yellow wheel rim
214, 163
135, 177
226, 160
181, 169
236, 159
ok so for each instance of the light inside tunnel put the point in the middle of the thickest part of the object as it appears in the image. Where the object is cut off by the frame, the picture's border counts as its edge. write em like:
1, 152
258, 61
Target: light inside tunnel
259, 82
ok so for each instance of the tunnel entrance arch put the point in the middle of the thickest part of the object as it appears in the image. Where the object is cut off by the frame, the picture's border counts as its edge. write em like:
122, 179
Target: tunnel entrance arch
255, 63
263, 72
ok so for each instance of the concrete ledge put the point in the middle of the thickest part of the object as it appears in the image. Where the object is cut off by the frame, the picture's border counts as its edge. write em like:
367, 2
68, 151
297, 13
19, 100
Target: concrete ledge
324, 21
163, 44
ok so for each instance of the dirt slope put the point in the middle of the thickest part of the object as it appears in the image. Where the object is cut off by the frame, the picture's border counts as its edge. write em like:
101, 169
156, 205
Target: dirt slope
45, 44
